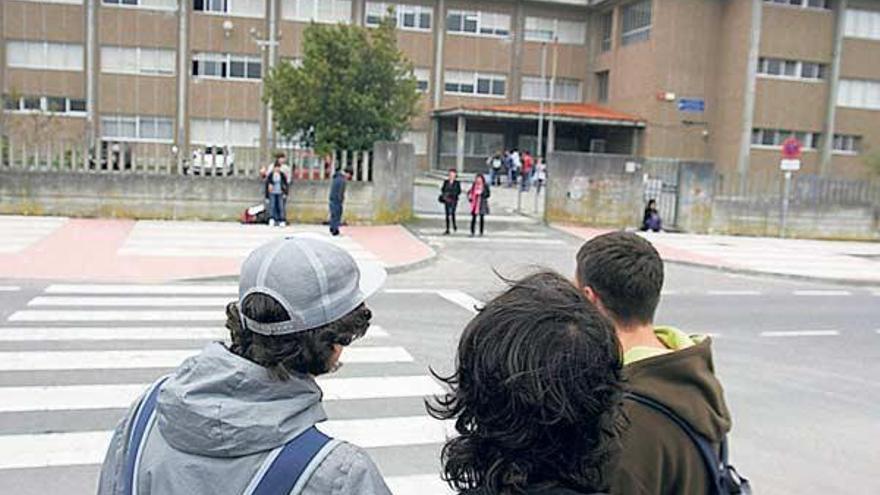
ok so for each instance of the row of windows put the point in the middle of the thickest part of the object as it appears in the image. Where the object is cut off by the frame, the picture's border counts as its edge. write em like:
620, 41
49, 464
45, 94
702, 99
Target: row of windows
564, 90
477, 22
51, 104
146, 4
226, 66
145, 128
794, 69
636, 22
138, 60
409, 17
775, 137
474, 83
548, 29
225, 131
326, 11
857, 93
847, 143
807, 4
862, 24
475, 143
44, 55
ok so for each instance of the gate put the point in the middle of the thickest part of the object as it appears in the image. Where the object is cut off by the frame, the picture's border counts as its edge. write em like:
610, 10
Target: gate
661, 184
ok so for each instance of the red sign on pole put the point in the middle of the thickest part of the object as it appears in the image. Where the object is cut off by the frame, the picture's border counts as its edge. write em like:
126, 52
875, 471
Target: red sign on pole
791, 148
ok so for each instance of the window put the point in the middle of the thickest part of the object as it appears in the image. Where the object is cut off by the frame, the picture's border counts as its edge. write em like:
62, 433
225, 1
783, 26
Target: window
806, 4
226, 66
408, 17
225, 132
565, 90
51, 104
862, 24
423, 76
602, 86
471, 83
844, 144
137, 60
857, 93
607, 21
144, 4
775, 138
72, 2
791, 69
240, 8
324, 11
543, 29
636, 22
481, 23
141, 128
480, 144
44, 55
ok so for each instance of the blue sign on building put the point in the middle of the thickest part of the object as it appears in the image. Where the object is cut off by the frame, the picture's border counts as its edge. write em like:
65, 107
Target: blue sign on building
694, 105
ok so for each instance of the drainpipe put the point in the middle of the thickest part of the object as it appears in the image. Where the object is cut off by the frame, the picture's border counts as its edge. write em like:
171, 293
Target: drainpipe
833, 87
182, 81
748, 115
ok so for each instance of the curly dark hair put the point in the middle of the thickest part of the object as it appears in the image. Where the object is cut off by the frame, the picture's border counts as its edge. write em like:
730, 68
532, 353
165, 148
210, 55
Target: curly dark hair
305, 352
536, 393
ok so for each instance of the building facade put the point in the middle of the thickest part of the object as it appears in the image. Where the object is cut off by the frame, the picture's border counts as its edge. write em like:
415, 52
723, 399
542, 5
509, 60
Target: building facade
720, 80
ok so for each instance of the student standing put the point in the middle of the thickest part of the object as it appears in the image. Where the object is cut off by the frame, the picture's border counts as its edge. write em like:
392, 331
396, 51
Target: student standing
450, 191
337, 198
277, 189
478, 195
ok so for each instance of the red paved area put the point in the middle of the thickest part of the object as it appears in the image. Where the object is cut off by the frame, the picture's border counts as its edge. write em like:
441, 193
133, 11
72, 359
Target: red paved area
393, 244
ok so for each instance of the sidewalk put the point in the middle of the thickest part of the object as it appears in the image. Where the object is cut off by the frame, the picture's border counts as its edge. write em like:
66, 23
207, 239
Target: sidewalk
831, 261
158, 251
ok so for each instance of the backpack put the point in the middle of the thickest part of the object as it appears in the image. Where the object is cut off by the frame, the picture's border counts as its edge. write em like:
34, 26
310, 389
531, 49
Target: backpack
723, 476
284, 471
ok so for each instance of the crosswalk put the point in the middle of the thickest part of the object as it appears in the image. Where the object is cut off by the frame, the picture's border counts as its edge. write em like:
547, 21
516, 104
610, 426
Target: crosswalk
19, 232
491, 237
87, 351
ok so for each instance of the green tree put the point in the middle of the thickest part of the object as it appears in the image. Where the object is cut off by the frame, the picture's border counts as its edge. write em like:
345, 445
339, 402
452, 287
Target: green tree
354, 87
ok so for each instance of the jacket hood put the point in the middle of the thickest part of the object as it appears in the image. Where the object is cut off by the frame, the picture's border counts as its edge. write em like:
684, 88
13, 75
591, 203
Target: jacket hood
218, 404
684, 380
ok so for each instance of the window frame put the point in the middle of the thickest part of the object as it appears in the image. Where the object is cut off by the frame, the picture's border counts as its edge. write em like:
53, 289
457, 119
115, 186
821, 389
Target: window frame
460, 78
139, 122
138, 70
641, 33
476, 16
117, 4
810, 141
606, 40
554, 31
43, 104
226, 60
803, 4
400, 11
764, 65
560, 81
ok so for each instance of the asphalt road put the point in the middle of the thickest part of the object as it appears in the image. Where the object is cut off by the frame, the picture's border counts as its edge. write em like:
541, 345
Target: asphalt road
799, 362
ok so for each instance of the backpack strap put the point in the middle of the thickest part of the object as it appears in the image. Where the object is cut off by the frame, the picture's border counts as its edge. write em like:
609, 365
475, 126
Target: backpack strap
287, 468
141, 425
713, 462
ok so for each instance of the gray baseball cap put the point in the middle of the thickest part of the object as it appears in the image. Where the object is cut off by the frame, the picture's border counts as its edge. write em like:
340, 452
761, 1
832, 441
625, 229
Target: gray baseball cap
316, 281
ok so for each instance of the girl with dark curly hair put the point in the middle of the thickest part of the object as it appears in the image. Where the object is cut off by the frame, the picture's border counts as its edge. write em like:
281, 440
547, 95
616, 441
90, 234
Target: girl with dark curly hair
535, 395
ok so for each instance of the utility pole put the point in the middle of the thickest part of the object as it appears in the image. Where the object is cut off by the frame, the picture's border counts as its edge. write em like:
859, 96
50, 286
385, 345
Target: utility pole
551, 125
268, 46
544, 94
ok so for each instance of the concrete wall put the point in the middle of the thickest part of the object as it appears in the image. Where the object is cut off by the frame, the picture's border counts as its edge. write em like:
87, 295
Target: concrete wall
730, 216
394, 179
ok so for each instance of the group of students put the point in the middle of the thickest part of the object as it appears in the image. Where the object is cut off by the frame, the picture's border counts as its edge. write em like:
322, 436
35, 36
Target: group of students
520, 168
560, 387
478, 197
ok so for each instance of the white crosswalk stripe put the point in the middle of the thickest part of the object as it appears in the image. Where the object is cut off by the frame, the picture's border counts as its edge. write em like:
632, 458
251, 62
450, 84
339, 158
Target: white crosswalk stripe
9, 288
19, 233
110, 328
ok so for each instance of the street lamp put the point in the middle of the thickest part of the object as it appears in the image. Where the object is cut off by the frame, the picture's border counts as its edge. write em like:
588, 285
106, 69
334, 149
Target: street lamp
269, 44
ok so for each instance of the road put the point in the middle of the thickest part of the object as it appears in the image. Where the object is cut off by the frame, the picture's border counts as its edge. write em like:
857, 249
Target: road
799, 362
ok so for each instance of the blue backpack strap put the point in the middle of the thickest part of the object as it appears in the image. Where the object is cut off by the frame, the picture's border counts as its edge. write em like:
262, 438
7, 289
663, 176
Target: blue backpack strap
714, 464
143, 421
288, 467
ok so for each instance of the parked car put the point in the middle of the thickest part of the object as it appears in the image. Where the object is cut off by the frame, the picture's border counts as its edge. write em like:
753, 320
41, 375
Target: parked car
112, 156
211, 160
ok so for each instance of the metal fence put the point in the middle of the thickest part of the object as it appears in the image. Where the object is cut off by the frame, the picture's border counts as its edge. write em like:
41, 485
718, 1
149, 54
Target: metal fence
808, 190
112, 157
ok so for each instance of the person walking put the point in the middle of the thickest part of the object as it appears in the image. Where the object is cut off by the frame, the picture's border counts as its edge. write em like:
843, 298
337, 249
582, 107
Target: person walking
337, 198
277, 190
527, 167
450, 191
535, 396
508, 167
673, 397
244, 417
540, 176
516, 164
478, 195
495, 162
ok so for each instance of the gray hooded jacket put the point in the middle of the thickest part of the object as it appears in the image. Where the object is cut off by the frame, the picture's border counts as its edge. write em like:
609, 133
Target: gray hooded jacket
217, 418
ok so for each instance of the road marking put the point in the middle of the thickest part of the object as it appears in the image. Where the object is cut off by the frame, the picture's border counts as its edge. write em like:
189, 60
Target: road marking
670, 293
35, 334
169, 289
462, 299
130, 301
823, 293
494, 240
88, 447
489, 219
117, 315
734, 293
121, 396
802, 333
9, 288
419, 484
533, 235
134, 359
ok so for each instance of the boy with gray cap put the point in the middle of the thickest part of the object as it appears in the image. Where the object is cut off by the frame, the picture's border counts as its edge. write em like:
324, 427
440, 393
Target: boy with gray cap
241, 420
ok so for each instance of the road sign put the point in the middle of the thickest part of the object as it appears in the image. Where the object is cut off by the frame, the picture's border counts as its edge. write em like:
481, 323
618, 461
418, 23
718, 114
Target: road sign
791, 148
693, 105
790, 165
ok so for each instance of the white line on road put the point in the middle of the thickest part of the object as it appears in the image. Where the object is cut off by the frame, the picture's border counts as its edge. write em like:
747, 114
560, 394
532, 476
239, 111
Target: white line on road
131, 301
802, 333
158, 314
169, 289
462, 299
822, 293
9, 288
489, 219
134, 359
121, 396
734, 293
89, 447
36, 334
419, 484
494, 240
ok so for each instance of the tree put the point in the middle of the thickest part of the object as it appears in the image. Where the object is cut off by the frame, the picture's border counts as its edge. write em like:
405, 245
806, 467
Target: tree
354, 87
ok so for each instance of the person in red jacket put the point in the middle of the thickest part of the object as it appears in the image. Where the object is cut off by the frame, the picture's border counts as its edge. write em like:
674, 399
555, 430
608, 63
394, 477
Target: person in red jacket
528, 164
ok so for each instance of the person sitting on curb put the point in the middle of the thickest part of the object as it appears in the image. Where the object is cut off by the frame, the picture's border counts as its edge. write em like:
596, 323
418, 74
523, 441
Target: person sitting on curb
241, 419
535, 394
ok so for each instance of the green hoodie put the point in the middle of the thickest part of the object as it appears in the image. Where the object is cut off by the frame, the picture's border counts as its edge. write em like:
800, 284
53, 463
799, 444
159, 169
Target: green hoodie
657, 457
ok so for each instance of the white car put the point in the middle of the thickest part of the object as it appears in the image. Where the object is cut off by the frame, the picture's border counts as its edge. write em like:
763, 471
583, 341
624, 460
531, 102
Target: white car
212, 160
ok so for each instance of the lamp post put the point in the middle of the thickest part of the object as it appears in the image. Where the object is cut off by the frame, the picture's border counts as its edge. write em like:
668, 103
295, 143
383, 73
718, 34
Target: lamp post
269, 43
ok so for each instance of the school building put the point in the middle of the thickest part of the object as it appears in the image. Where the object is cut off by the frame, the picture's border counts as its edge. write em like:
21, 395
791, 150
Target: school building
720, 80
